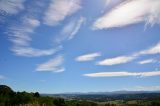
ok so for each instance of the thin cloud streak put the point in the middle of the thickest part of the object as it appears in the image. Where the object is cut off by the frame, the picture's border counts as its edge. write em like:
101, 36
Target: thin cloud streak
123, 74
88, 57
70, 30
33, 52
11, 6
59, 9
77, 27
147, 61
130, 12
53, 65
125, 59
117, 60
152, 50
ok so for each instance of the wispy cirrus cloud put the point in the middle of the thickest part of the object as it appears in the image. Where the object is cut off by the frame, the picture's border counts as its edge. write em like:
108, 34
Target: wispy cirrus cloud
128, 58
53, 65
75, 28
59, 9
70, 30
33, 52
123, 74
11, 6
88, 57
130, 12
20, 36
147, 61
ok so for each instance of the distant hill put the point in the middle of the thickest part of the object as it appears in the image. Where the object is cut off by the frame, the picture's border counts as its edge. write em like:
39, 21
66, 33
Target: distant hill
108, 96
122, 92
104, 93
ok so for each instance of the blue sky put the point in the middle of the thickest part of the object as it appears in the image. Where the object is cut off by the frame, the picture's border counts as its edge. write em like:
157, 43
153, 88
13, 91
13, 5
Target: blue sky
56, 46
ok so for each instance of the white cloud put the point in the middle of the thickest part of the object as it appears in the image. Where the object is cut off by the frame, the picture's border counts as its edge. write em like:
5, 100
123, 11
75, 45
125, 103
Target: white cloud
20, 36
117, 60
147, 61
88, 57
130, 12
32, 52
152, 50
11, 6
70, 30
53, 65
144, 88
125, 59
123, 74
59, 9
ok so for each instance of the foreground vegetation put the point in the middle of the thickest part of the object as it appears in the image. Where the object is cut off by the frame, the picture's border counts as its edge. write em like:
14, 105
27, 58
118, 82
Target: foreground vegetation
10, 98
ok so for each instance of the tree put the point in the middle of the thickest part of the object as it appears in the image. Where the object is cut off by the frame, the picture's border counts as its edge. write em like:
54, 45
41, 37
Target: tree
36, 95
59, 102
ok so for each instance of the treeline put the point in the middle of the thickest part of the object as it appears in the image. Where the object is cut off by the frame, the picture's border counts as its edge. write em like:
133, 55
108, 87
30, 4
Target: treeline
10, 98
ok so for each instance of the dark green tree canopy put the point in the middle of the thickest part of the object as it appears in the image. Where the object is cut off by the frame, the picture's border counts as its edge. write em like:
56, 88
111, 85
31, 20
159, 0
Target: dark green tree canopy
5, 90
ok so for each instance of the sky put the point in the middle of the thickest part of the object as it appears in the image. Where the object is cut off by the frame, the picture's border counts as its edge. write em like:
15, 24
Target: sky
60, 46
